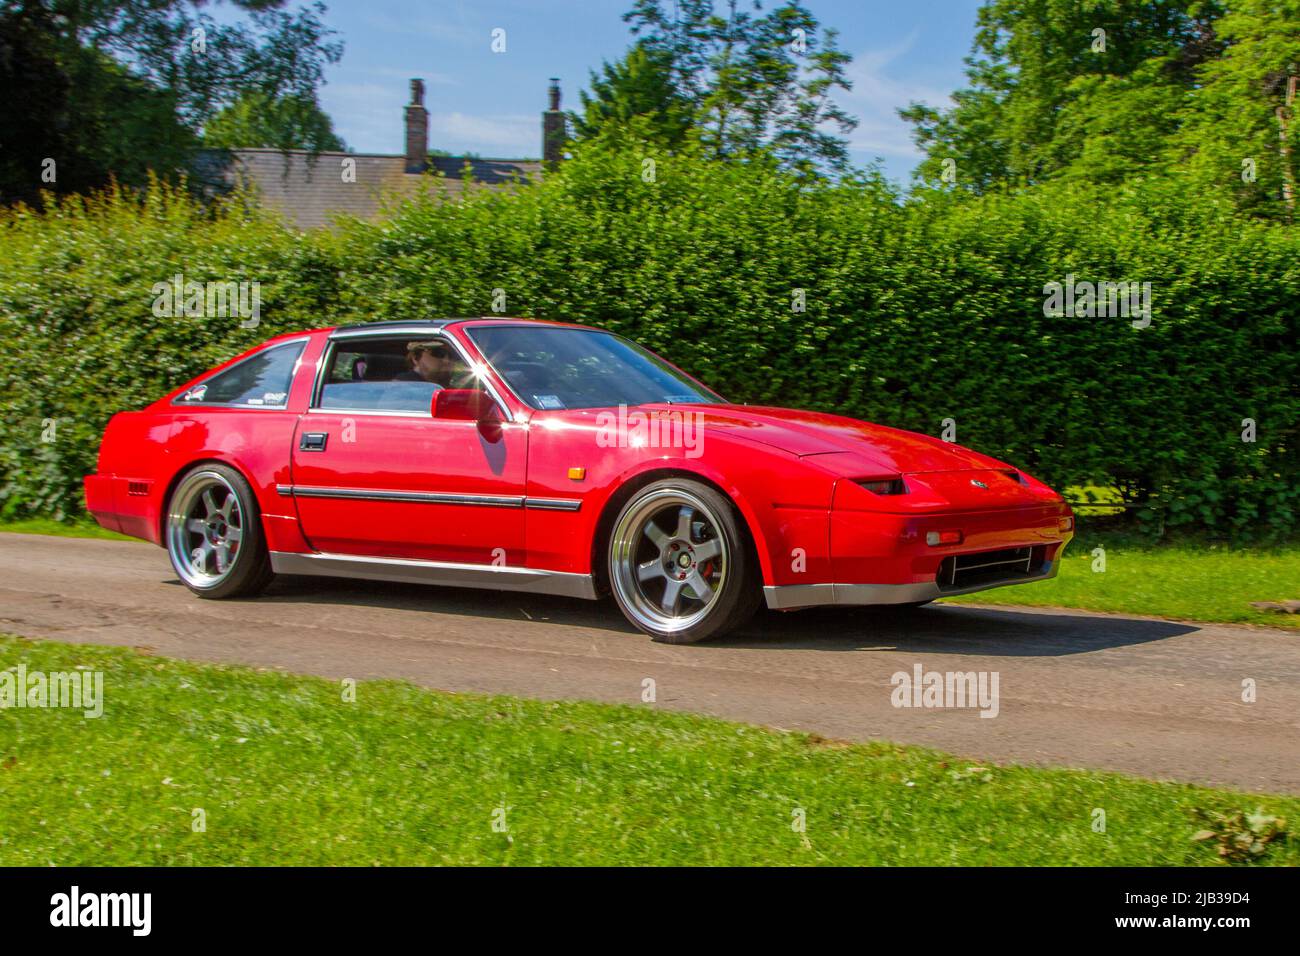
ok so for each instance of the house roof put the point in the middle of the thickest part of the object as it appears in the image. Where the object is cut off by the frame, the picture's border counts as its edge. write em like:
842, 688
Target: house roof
310, 189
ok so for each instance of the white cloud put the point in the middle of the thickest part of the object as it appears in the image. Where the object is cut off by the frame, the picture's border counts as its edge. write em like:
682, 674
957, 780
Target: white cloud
507, 135
879, 90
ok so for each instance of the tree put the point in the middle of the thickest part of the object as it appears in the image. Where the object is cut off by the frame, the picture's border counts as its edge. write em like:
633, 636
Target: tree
1066, 89
752, 81
1242, 128
287, 122
1194, 90
97, 90
639, 85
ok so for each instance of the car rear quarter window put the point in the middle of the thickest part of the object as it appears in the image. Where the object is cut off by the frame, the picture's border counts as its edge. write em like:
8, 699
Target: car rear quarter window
259, 381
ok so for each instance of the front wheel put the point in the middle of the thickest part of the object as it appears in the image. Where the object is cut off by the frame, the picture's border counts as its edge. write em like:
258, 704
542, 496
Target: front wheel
214, 534
680, 565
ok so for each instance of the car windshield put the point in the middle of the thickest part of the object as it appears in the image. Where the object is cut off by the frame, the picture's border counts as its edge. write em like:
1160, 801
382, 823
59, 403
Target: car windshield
553, 368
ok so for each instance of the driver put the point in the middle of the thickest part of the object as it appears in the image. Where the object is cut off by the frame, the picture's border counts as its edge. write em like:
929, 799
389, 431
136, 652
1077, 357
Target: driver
430, 362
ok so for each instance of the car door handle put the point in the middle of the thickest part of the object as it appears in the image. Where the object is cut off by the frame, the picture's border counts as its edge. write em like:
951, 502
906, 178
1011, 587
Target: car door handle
313, 441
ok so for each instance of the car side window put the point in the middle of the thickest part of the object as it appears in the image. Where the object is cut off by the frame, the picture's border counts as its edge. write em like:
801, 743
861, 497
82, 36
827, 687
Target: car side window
259, 381
390, 374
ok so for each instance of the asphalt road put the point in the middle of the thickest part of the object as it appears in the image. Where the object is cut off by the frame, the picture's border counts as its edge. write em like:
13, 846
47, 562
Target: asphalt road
1156, 698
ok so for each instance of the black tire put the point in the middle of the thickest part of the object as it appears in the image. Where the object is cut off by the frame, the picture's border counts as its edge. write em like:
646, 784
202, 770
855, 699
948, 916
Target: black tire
214, 536
652, 569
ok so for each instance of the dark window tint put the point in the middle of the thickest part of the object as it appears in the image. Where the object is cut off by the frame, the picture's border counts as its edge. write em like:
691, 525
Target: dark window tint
261, 381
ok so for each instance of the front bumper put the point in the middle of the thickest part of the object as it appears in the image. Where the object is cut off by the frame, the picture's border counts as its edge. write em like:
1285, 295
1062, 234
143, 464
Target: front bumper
789, 596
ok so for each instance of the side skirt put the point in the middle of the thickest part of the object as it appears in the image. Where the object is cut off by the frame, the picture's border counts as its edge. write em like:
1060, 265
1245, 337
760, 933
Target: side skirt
410, 571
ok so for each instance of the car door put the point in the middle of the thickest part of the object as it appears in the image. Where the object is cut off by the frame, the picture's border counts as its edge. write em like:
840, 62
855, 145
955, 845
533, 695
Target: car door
374, 474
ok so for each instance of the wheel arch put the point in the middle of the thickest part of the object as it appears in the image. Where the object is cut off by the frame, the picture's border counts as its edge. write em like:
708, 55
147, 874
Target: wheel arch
165, 502
614, 504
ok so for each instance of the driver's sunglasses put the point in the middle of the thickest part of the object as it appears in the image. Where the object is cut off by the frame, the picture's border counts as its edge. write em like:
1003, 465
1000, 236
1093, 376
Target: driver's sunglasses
439, 352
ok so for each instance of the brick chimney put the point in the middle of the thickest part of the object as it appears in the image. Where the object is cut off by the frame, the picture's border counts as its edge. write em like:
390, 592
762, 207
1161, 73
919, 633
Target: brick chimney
553, 127
417, 130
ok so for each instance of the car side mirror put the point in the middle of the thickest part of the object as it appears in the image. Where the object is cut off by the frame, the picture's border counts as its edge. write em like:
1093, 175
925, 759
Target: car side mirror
463, 404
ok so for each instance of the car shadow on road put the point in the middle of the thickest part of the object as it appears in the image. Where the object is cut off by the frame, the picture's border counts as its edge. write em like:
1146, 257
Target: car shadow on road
935, 629
952, 629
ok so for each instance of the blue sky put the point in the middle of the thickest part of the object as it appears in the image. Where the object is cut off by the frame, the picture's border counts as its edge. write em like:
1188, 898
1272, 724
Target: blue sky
490, 103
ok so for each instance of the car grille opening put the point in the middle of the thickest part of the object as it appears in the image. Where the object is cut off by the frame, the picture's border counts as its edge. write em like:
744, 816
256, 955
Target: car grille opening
958, 571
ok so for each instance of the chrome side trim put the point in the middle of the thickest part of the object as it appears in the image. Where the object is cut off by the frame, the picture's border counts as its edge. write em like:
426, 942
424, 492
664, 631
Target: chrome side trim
410, 571
419, 497
787, 596
553, 504
431, 497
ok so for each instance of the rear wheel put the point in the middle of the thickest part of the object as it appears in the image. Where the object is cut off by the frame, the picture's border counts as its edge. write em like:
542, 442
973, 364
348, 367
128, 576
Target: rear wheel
214, 534
680, 565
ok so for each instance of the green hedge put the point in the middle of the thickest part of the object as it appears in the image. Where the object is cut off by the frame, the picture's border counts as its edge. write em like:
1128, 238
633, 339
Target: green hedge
916, 311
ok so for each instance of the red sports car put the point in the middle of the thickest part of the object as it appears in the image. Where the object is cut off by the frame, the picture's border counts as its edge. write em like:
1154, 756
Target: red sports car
561, 459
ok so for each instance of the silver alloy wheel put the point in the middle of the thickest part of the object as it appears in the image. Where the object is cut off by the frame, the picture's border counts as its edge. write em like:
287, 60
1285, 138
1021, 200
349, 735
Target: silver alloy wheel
205, 527
668, 560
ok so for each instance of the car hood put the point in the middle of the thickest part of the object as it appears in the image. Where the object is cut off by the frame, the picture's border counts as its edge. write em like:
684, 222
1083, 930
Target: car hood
882, 450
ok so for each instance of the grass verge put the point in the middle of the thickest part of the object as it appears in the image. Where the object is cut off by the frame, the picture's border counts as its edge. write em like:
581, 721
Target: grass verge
1187, 581
285, 771
62, 529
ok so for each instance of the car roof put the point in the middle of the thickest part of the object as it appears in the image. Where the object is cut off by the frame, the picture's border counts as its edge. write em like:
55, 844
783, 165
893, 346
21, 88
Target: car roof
395, 326
399, 325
